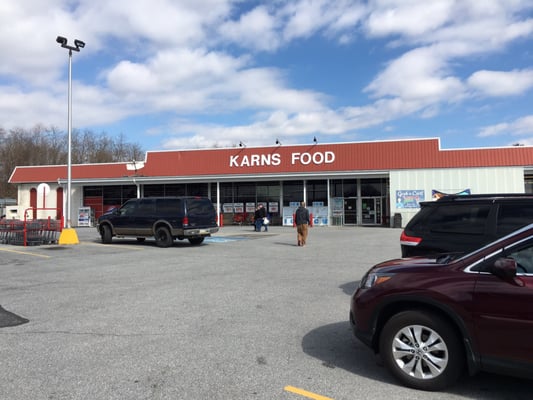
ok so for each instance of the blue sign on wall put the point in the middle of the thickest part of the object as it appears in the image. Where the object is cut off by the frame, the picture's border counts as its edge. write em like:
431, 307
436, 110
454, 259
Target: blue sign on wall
409, 198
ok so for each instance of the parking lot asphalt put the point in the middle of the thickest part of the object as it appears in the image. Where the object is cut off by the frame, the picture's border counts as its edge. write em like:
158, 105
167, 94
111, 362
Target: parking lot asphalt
245, 315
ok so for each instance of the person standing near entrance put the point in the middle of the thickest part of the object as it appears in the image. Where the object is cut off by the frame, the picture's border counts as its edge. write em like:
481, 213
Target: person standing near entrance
302, 223
259, 217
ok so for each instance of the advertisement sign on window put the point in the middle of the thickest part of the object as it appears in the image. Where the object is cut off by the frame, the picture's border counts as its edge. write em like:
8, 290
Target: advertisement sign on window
409, 198
227, 208
84, 216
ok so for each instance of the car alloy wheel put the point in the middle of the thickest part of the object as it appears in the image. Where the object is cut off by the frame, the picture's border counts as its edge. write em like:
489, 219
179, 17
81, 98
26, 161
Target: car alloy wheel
421, 350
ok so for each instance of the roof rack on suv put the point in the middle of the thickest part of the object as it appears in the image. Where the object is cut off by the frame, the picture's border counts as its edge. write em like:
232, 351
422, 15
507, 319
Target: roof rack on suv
453, 197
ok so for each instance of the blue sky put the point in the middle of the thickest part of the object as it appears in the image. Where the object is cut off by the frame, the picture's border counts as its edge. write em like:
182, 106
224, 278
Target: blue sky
186, 74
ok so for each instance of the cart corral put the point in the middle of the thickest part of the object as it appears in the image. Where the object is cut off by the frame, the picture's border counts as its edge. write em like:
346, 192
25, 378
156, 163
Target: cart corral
30, 232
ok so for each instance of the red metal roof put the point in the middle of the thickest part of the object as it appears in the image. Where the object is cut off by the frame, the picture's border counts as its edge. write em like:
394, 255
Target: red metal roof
358, 156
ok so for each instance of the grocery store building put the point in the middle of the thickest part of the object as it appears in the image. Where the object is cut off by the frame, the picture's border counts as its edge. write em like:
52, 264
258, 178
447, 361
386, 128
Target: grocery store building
361, 183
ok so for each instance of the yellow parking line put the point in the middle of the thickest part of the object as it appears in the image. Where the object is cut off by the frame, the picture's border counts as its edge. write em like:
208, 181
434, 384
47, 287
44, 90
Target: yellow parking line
305, 393
25, 253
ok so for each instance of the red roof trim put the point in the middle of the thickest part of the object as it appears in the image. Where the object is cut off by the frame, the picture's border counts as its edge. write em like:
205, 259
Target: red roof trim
313, 158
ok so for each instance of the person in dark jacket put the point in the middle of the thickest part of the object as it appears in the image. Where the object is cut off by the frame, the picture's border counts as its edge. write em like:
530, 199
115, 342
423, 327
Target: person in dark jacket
259, 217
302, 223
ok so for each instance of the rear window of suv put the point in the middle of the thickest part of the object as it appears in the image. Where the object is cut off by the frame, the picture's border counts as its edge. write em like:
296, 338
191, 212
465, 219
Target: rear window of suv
513, 216
200, 207
454, 218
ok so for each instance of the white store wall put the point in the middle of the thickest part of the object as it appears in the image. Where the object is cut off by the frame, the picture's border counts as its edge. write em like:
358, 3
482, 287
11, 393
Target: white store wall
453, 180
447, 180
50, 201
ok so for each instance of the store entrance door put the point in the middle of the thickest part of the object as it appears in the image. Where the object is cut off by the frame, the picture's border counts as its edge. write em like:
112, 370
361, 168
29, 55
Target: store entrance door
350, 211
371, 210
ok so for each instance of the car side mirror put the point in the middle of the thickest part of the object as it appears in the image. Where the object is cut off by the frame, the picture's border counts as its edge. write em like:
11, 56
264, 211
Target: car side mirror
504, 268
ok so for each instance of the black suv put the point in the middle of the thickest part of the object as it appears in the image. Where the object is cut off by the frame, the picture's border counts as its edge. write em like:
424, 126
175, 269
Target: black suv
457, 223
165, 218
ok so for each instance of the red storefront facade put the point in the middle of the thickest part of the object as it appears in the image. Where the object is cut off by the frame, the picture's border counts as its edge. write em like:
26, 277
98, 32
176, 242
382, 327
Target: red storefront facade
346, 183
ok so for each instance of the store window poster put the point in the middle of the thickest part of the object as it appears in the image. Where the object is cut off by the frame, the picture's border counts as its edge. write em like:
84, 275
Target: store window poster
409, 198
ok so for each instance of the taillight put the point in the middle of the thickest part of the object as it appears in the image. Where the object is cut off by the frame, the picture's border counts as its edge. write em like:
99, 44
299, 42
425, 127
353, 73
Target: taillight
409, 240
185, 221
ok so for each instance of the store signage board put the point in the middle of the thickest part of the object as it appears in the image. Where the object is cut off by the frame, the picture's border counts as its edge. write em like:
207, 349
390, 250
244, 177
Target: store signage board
296, 158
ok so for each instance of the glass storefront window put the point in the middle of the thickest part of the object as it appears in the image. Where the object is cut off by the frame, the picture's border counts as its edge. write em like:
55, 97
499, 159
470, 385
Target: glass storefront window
268, 191
154, 190
293, 191
90, 191
176, 189
197, 189
349, 188
336, 187
372, 187
528, 183
317, 191
226, 192
244, 192
117, 195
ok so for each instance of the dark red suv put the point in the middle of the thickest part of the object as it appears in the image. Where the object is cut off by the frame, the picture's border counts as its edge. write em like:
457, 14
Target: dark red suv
431, 319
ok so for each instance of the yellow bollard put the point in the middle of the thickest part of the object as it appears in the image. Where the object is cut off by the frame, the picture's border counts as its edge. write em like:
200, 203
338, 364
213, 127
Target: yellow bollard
68, 236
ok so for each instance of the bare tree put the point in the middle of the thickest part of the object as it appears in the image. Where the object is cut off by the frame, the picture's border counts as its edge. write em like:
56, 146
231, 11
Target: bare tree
49, 146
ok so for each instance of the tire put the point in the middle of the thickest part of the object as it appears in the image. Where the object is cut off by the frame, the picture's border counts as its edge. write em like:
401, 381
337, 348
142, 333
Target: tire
422, 350
163, 237
106, 234
196, 241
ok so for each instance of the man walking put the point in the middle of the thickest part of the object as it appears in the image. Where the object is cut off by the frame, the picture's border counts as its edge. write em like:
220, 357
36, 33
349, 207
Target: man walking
302, 223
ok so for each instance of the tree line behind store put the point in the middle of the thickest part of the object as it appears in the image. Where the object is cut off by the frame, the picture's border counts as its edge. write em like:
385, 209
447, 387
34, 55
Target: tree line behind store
42, 145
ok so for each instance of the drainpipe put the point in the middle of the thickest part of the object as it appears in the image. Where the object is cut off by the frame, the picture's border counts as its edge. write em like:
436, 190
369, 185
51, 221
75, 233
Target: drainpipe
138, 188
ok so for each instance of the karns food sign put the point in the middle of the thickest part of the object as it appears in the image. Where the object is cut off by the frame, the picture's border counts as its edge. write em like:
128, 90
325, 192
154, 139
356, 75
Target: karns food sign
263, 160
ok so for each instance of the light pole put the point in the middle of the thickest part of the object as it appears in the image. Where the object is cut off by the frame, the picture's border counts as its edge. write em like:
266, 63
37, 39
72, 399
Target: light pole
78, 44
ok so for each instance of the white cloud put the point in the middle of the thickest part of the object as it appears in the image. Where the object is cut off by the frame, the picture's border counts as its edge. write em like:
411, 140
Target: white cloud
501, 83
290, 128
265, 88
205, 81
494, 130
304, 18
256, 29
335, 19
418, 74
445, 34
520, 126
269, 27
145, 22
472, 22
408, 17
28, 30
170, 69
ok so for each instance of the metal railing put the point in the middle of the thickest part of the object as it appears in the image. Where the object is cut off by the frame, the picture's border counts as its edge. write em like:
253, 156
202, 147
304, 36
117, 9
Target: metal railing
30, 232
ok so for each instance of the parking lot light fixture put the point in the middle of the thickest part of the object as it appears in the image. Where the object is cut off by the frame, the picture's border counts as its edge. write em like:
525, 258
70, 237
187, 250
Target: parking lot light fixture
69, 237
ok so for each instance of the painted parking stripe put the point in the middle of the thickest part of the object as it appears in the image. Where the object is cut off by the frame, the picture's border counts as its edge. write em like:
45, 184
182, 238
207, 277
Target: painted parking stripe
305, 393
222, 239
26, 253
132, 246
